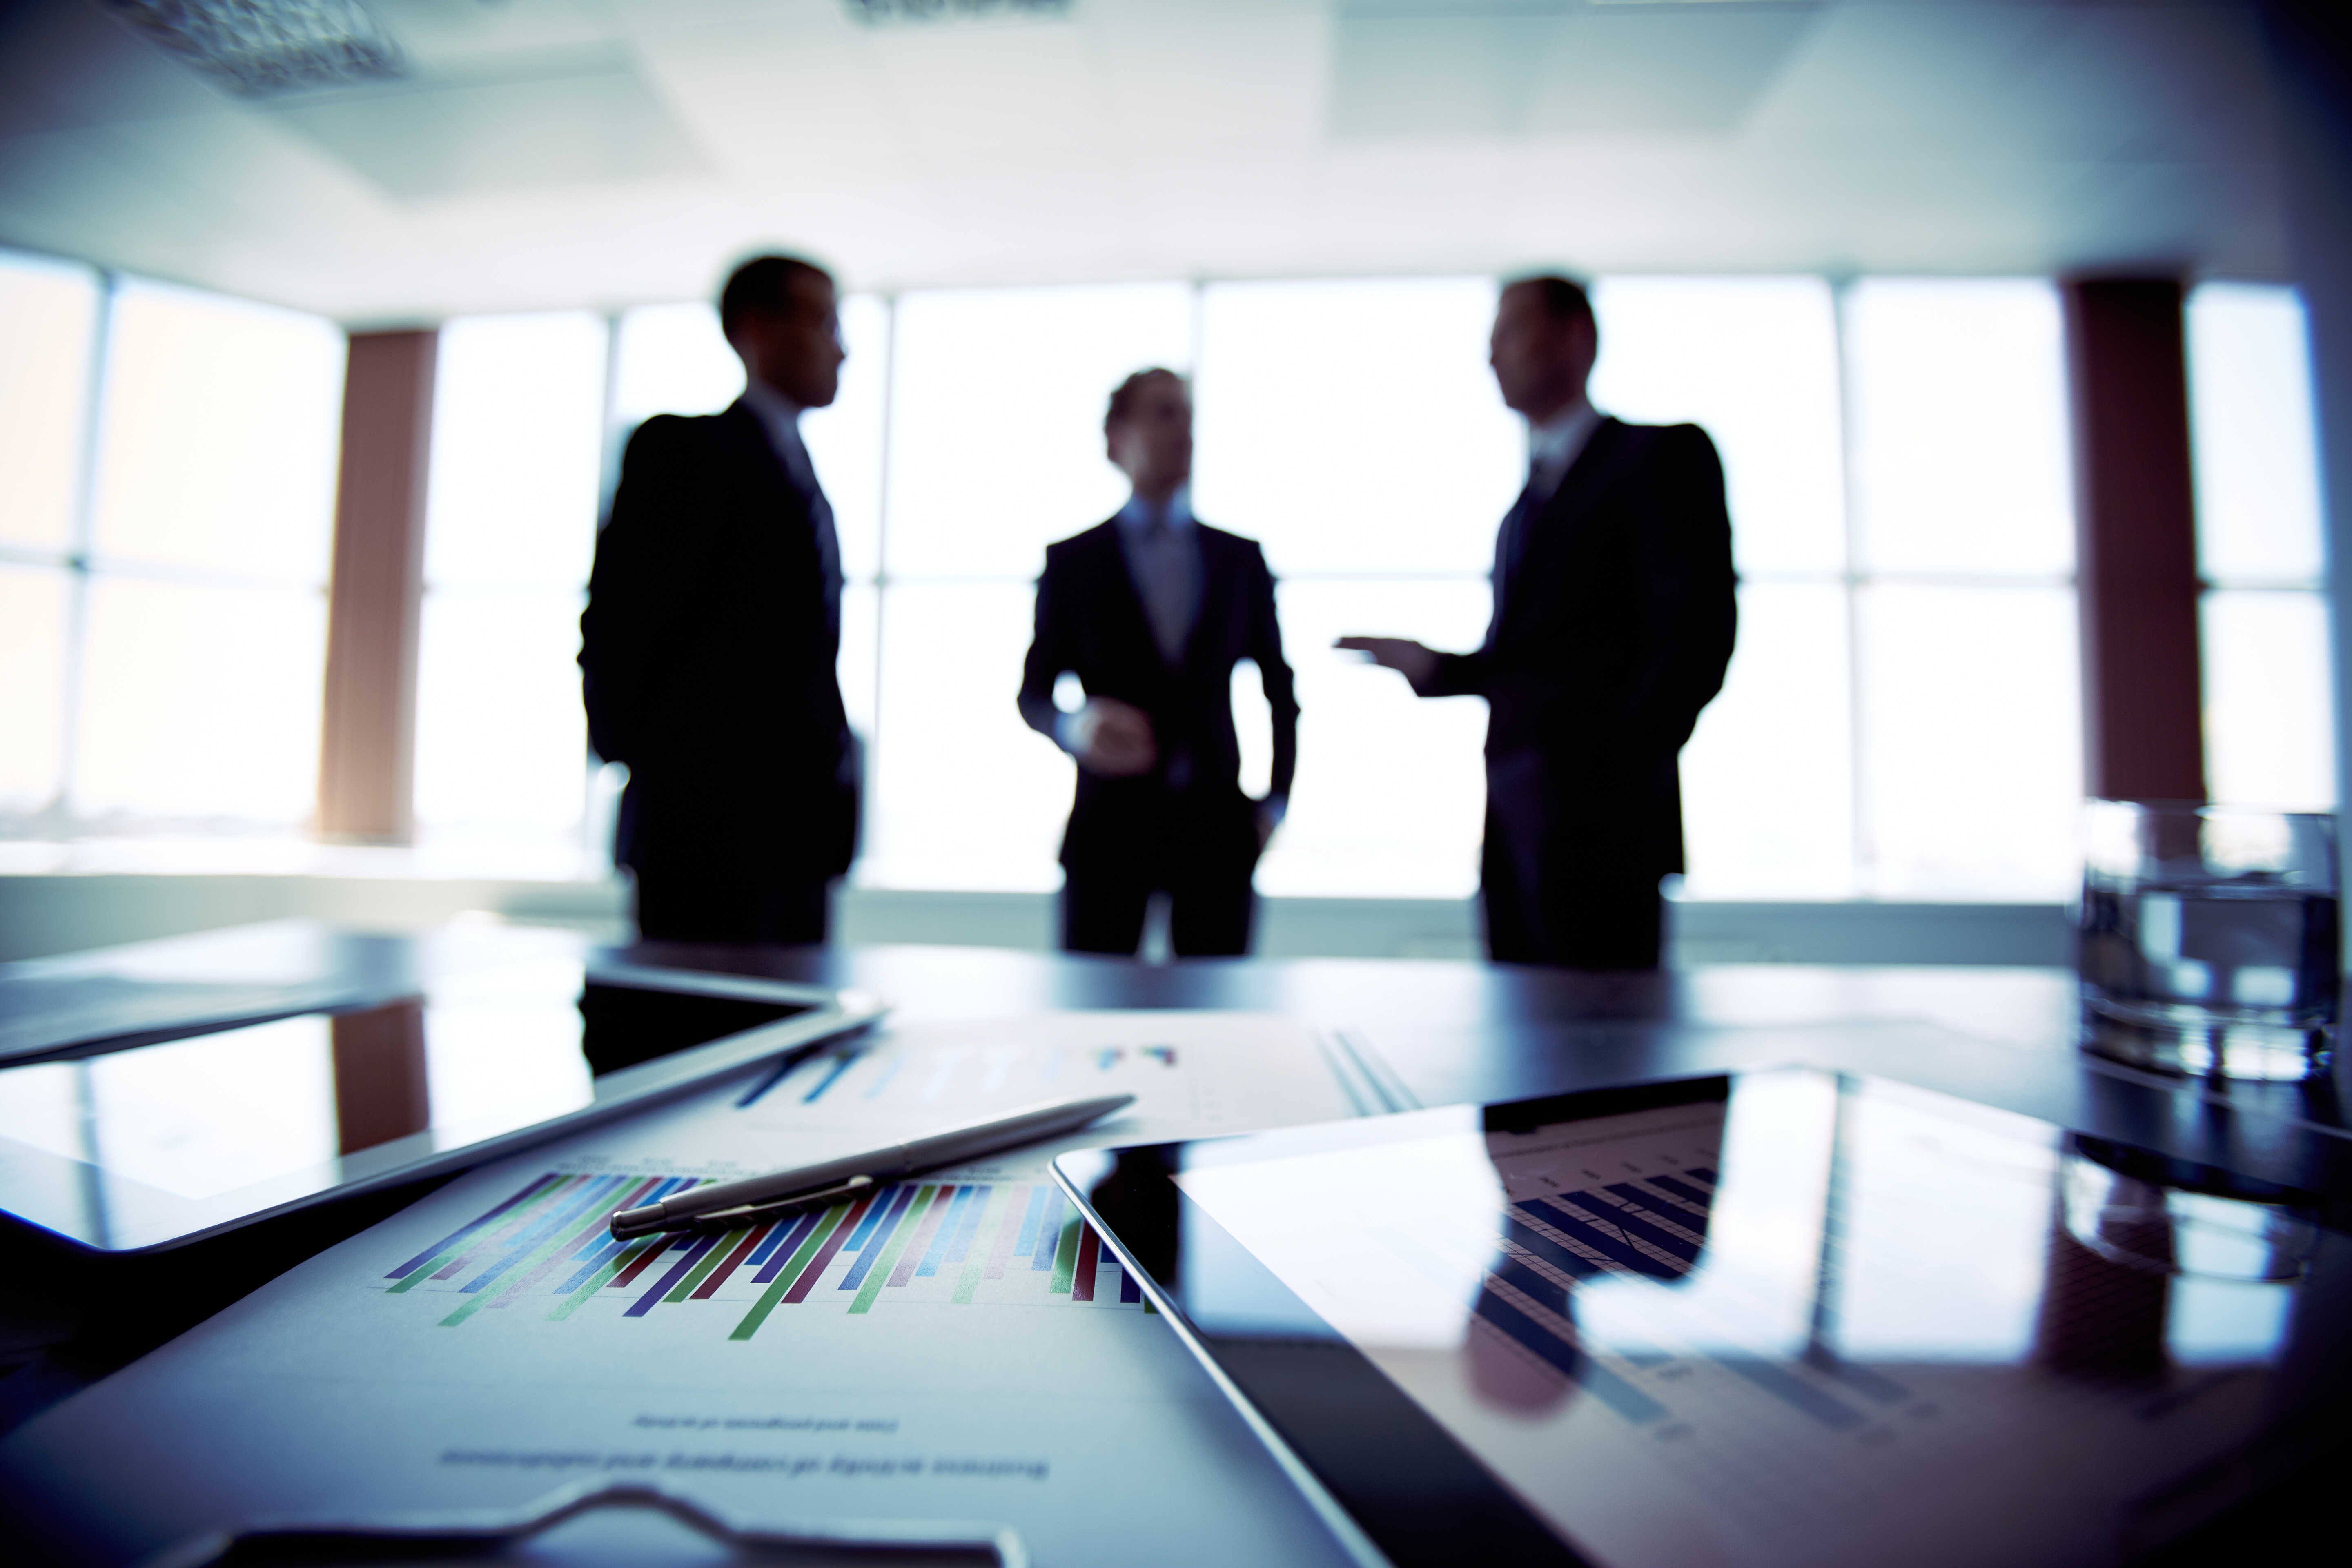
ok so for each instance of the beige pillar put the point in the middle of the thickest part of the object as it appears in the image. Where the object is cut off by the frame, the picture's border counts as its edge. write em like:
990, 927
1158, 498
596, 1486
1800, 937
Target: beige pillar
368, 749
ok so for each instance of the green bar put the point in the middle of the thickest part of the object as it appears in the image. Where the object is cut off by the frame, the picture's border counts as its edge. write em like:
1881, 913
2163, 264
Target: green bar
984, 1236
1065, 1256
791, 1271
595, 1219
603, 1276
710, 1260
880, 1274
435, 1265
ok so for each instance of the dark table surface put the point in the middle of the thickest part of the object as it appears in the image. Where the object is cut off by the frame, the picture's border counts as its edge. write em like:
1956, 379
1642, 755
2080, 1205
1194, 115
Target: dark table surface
1424, 1032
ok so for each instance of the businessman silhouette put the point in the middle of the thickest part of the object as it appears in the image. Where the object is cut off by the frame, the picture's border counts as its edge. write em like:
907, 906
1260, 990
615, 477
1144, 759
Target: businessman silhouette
1612, 626
709, 644
1151, 611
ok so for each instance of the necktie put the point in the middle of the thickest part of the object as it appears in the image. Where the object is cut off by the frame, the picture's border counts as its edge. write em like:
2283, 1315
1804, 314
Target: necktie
1166, 567
802, 474
1511, 543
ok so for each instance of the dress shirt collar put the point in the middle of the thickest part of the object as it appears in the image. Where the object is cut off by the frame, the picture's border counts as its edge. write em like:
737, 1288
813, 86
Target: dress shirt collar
780, 416
1554, 445
1138, 514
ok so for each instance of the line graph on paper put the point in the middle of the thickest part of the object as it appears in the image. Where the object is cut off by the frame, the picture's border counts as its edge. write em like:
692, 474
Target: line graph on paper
546, 1251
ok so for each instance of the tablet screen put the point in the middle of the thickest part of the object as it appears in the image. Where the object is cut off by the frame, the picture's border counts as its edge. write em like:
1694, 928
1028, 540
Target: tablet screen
251, 1109
1786, 1319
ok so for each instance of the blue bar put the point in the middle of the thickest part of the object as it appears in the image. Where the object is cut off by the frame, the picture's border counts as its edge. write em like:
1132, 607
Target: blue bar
1564, 1358
1049, 1231
1026, 1242
1623, 1253
1641, 1229
944, 1237
857, 1271
964, 1237
776, 1237
874, 1217
520, 1245
1682, 1190
610, 1249
455, 1237
1532, 1285
1550, 1251
1651, 1202
784, 1241
833, 1076
1793, 1391
1128, 1290
644, 1303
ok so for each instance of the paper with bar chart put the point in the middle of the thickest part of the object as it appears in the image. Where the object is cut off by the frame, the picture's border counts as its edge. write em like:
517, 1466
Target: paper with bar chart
955, 1345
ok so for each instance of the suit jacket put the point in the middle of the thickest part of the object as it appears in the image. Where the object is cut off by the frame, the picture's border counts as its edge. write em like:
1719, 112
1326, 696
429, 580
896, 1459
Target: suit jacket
1091, 622
707, 656
1613, 627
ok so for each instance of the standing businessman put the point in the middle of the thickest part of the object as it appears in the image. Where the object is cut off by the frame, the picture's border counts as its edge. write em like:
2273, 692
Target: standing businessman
1612, 626
708, 647
1151, 611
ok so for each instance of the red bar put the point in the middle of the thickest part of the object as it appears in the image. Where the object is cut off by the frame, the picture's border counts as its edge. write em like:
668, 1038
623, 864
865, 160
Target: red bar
807, 1282
719, 1276
637, 1264
1082, 1283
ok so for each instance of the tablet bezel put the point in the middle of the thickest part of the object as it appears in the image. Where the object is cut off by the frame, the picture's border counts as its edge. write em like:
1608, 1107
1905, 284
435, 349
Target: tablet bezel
53, 1194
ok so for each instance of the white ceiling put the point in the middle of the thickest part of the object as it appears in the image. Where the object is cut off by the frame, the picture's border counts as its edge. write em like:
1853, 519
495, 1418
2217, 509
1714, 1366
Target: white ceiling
557, 153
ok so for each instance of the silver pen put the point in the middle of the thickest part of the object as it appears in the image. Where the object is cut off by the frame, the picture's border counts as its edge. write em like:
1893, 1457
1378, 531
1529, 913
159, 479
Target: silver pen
759, 1198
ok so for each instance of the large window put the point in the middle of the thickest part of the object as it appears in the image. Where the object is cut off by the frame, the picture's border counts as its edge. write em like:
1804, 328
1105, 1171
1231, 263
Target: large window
2269, 703
163, 547
1900, 720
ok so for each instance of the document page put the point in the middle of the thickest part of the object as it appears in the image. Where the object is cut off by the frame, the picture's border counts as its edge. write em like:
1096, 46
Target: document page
956, 1346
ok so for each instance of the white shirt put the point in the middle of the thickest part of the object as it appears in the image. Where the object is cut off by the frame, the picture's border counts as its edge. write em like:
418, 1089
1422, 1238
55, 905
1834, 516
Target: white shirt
780, 418
1554, 445
1165, 563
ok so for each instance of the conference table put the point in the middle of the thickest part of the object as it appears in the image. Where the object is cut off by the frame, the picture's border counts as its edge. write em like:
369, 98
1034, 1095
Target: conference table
1408, 1033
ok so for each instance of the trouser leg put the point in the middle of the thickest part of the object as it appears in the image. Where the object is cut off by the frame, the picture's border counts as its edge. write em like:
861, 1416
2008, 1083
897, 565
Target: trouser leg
1102, 911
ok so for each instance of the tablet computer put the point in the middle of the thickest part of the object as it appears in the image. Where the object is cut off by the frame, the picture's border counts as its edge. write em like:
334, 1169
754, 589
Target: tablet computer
220, 1124
1773, 1319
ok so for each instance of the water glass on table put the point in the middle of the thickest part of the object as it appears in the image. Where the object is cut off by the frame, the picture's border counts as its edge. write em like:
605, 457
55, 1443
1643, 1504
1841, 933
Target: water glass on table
2207, 939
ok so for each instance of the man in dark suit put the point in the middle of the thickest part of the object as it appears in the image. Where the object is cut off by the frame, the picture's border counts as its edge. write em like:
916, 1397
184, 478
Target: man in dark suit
708, 647
1151, 611
1612, 626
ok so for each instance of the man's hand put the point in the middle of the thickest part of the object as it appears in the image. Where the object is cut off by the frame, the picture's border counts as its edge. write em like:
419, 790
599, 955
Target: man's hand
1417, 664
1112, 738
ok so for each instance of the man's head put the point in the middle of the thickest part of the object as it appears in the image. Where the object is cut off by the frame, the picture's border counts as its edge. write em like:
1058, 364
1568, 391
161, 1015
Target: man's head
1543, 346
778, 313
1149, 429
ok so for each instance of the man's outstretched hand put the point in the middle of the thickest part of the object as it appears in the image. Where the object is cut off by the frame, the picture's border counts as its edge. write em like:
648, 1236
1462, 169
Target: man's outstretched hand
1113, 739
1407, 658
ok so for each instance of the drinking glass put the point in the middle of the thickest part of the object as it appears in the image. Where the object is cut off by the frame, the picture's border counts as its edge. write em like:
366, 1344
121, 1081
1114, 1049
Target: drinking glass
2207, 939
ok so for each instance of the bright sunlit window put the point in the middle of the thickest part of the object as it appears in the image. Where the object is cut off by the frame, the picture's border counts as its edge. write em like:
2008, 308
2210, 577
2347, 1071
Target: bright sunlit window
2269, 703
163, 556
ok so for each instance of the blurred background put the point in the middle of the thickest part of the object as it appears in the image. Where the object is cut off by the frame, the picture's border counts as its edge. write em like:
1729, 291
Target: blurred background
1836, 235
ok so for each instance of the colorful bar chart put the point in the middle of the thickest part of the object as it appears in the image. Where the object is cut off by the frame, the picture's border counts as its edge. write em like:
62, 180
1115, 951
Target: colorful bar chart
547, 1248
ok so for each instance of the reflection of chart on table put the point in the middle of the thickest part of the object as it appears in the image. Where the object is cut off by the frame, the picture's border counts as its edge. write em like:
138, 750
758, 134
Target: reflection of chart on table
546, 1251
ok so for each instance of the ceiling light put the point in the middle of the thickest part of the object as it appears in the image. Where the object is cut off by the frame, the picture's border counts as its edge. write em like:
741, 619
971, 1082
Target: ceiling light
258, 48
884, 13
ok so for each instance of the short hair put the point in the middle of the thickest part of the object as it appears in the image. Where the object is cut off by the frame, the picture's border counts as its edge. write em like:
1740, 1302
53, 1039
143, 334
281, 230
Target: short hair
1564, 299
763, 283
1122, 397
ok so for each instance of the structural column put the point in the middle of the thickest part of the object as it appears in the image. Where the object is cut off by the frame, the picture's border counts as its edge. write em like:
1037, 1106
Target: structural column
2136, 540
368, 750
